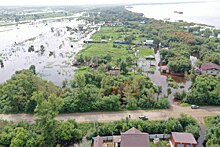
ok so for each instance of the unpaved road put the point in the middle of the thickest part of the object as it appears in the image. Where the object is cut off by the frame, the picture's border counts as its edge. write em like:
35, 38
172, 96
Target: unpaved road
174, 111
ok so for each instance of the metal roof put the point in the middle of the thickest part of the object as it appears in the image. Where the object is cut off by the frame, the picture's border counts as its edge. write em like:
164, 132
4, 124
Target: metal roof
208, 66
134, 138
184, 137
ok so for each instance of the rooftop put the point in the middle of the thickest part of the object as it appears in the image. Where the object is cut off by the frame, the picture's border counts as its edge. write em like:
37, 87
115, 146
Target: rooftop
98, 142
208, 66
133, 131
184, 137
134, 138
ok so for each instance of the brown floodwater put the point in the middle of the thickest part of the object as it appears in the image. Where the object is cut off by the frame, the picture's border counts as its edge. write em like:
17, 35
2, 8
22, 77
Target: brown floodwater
159, 78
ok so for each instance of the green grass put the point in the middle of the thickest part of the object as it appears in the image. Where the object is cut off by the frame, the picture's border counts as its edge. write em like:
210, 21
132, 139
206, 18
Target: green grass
208, 120
159, 145
101, 50
121, 51
109, 32
217, 52
83, 70
145, 51
185, 105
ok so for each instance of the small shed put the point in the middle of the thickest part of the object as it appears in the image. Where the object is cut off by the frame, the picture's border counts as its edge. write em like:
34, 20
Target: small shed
149, 42
150, 57
88, 41
218, 36
104, 41
164, 69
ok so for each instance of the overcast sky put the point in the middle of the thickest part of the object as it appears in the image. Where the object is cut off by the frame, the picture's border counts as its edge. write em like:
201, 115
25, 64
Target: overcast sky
80, 2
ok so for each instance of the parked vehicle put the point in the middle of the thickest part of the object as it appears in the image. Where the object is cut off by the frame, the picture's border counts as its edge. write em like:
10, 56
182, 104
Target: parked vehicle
194, 107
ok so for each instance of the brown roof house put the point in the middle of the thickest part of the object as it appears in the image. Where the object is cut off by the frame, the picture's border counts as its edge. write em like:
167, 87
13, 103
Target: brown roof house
208, 68
98, 142
130, 138
134, 138
182, 140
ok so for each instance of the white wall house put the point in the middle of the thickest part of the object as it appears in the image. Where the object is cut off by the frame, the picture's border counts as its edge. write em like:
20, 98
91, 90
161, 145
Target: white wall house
211, 72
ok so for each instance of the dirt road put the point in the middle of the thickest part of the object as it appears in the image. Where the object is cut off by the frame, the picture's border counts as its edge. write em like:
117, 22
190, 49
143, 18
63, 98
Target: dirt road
174, 111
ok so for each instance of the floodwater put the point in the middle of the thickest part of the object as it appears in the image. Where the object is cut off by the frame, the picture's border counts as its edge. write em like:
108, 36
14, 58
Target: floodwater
55, 63
198, 12
159, 78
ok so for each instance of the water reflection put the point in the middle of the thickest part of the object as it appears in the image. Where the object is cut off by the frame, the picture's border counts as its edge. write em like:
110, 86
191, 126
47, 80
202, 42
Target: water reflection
159, 78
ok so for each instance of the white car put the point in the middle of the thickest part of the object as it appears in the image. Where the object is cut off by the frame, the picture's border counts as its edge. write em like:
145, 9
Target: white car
143, 117
194, 107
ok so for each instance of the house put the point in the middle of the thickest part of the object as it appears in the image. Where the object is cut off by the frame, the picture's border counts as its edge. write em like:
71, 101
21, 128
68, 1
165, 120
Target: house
104, 41
120, 42
164, 69
142, 22
130, 138
182, 140
114, 72
88, 41
208, 68
149, 42
134, 138
218, 36
98, 142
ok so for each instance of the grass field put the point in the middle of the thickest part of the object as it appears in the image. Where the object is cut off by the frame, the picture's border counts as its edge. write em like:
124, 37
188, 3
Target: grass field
144, 51
110, 34
103, 49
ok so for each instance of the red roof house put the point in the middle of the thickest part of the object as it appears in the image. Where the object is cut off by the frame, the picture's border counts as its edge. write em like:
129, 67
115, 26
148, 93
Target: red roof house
182, 140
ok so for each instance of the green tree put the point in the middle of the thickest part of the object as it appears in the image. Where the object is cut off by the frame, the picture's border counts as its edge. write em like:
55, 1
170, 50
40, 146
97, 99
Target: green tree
123, 68
1, 63
45, 112
68, 133
21, 138
204, 91
179, 65
33, 69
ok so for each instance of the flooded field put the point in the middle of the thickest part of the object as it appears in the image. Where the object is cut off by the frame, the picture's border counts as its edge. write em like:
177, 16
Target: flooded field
159, 78
52, 54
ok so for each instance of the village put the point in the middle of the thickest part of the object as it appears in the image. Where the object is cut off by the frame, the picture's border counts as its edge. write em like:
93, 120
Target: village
112, 78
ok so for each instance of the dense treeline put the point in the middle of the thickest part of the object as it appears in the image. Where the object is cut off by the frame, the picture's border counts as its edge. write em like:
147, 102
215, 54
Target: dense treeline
205, 90
87, 92
45, 132
213, 131
112, 14
16, 94
182, 124
98, 92
48, 132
